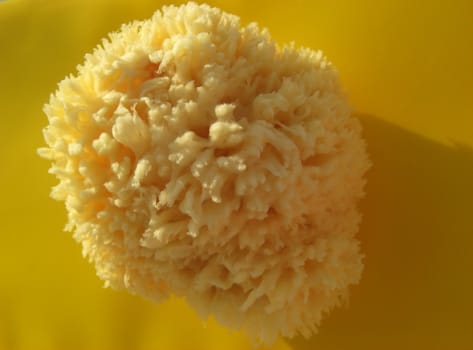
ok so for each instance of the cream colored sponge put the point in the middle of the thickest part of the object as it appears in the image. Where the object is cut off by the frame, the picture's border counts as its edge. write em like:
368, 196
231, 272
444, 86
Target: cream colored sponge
197, 157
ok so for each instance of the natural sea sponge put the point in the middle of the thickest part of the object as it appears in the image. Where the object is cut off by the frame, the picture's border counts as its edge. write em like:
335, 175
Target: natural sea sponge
197, 157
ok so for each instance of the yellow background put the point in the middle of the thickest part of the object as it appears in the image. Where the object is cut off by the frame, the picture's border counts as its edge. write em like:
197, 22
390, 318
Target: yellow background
407, 67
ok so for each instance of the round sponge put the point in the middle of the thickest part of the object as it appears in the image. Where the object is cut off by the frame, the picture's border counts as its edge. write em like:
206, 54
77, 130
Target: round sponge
197, 157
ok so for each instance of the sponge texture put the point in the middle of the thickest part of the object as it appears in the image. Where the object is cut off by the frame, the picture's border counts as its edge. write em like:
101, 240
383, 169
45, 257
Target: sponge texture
197, 157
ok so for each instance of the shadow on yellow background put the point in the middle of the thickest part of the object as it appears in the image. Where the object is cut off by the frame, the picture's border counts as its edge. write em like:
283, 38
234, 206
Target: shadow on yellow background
417, 235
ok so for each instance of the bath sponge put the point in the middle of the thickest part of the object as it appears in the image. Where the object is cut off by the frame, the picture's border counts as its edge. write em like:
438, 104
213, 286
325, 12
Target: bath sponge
199, 158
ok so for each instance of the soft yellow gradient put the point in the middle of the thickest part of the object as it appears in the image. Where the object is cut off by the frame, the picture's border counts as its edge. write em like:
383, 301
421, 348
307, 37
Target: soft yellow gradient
407, 67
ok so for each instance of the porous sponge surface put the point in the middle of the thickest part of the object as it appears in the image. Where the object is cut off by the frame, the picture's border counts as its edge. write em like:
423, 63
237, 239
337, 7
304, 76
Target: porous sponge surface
197, 157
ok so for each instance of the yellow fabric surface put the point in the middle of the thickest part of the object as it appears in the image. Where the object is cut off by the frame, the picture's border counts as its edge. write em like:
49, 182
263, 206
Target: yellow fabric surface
407, 67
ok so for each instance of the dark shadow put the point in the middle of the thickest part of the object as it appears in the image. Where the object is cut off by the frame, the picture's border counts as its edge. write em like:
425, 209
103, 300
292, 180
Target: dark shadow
417, 235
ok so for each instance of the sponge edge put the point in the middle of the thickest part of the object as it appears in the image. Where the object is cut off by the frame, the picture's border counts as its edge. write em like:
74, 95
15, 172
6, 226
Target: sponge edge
197, 157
